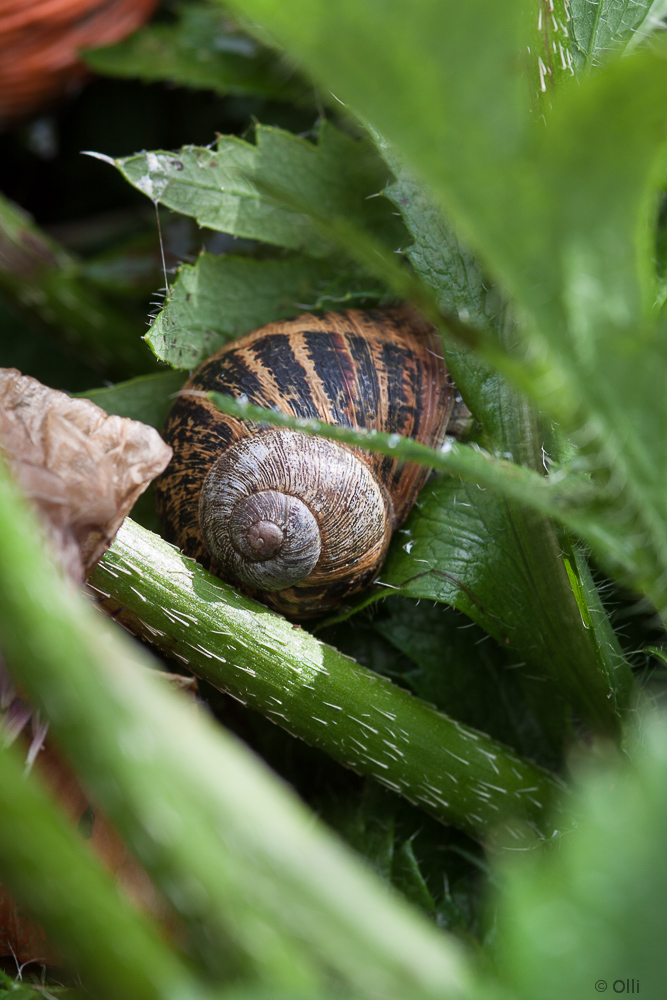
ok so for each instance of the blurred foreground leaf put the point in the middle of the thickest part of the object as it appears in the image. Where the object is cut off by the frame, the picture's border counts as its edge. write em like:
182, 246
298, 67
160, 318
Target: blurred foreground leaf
594, 910
280, 902
46, 864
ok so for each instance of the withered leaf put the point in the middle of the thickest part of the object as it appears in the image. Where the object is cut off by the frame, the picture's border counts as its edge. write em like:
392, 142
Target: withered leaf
82, 468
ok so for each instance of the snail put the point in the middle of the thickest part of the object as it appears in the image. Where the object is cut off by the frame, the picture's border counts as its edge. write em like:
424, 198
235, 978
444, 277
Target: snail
302, 522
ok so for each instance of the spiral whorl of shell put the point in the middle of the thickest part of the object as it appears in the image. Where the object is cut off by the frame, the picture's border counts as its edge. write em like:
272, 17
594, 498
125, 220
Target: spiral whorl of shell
303, 522
280, 508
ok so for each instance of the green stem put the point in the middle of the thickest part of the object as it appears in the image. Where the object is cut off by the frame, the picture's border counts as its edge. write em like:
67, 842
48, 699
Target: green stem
364, 721
551, 62
46, 865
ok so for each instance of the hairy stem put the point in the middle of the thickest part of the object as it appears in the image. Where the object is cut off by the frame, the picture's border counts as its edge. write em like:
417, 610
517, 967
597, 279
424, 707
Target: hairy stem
364, 721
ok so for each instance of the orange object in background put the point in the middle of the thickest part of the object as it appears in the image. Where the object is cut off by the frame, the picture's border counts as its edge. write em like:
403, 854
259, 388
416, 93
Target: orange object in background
40, 42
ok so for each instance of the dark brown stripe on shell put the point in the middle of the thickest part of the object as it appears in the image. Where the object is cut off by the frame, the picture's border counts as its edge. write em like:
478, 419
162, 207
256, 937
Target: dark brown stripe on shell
333, 366
367, 380
273, 354
228, 371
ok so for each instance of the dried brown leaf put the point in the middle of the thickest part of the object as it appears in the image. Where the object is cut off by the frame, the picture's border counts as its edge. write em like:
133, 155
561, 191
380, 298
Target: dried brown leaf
82, 468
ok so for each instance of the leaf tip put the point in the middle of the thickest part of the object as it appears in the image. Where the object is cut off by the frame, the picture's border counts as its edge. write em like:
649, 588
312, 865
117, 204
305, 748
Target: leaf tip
99, 156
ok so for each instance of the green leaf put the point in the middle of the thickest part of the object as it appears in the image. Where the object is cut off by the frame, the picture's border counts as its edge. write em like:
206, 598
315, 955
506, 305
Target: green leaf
462, 289
147, 398
222, 297
463, 111
474, 524
250, 189
598, 28
201, 49
597, 319
438, 870
453, 664
460, 547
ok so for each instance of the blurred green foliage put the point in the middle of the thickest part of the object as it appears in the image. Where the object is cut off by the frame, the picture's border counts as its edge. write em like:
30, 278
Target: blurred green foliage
521, 199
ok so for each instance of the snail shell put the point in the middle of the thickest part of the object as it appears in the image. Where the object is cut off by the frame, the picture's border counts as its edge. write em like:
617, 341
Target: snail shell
297, 521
